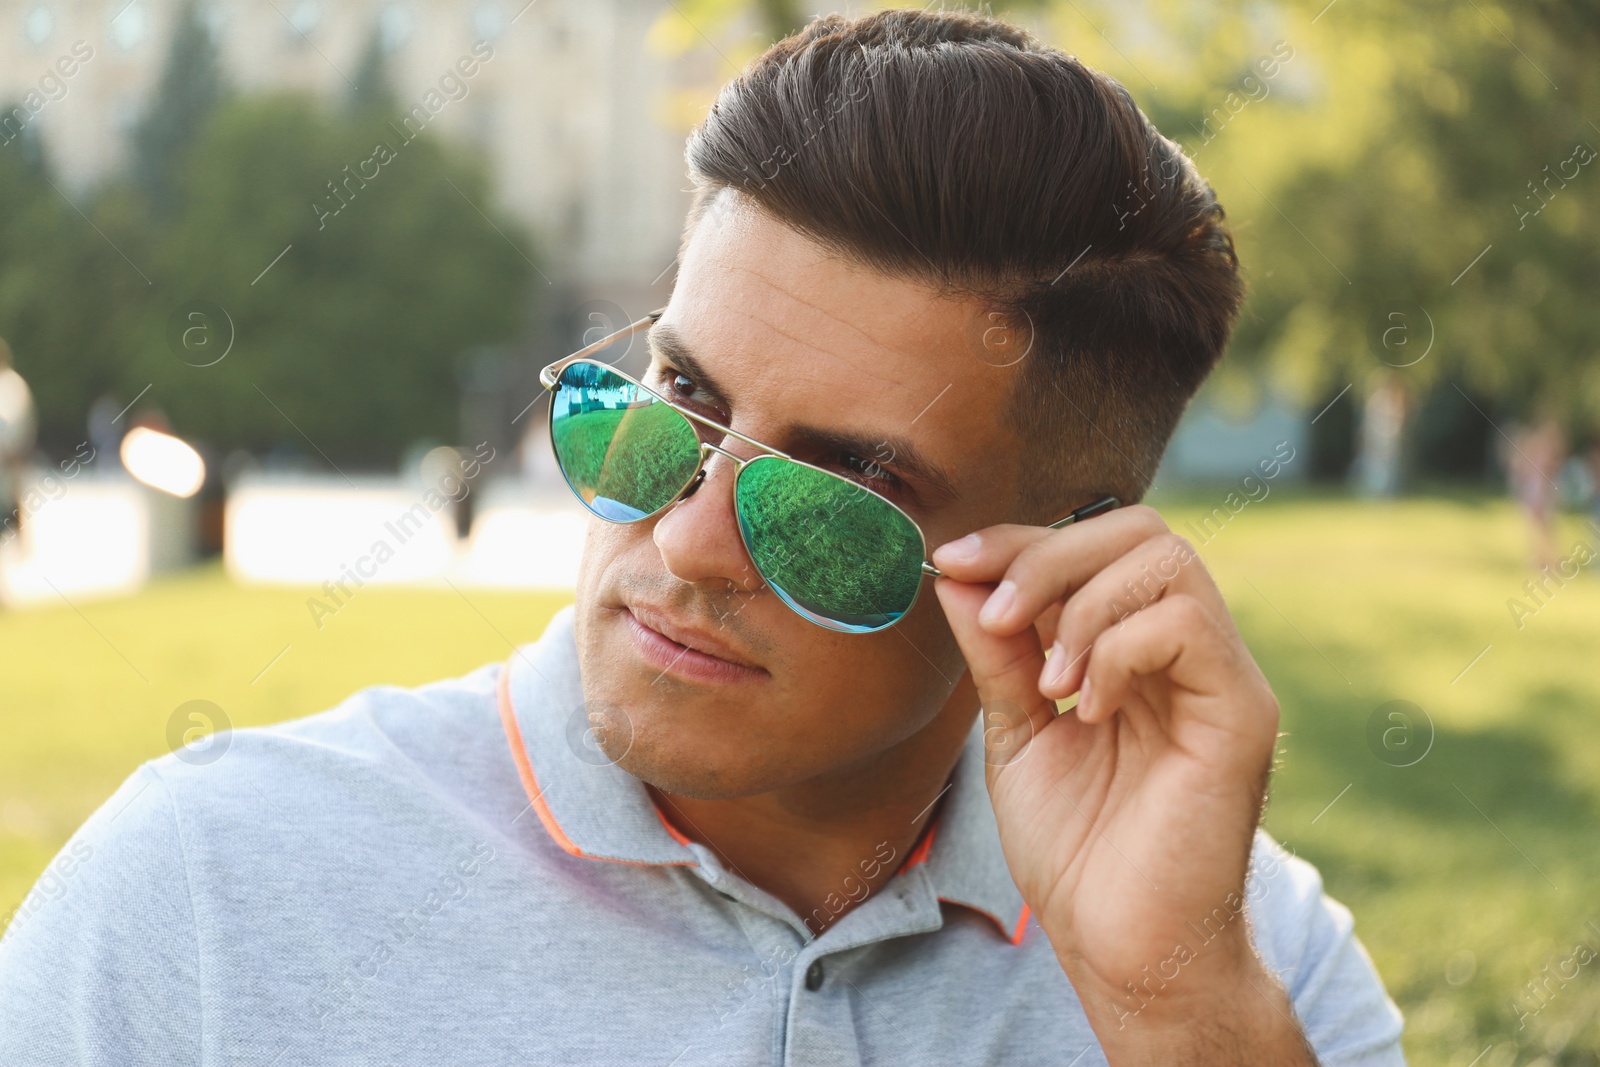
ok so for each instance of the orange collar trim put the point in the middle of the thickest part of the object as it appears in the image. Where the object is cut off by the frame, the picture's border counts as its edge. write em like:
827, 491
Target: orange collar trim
530, 784
920, 853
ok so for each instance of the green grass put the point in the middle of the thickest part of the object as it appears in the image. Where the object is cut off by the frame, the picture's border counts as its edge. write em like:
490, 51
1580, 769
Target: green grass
802, 516
1348, 606
639, 457
85, 698
1468, 872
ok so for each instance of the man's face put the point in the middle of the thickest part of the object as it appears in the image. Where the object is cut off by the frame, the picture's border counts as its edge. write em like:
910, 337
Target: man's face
699, 679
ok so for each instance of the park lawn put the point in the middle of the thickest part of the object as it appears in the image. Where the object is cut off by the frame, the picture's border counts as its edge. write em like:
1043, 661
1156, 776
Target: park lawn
85, 698
1473, 869
1468, 872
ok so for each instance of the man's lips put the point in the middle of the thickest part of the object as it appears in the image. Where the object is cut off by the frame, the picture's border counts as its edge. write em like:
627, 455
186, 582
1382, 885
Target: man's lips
673, 647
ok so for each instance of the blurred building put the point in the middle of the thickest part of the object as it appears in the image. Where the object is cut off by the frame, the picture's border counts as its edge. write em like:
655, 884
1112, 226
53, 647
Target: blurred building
571, 110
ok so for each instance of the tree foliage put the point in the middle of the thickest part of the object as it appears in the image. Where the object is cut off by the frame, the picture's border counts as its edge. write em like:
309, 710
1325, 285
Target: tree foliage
348, 284
372, 94
191, 87
341, 288
1367, 178
62, 285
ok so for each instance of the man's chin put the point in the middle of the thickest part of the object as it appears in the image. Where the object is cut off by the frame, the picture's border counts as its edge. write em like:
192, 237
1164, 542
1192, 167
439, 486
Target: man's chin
678, 771
680, 739
703, 739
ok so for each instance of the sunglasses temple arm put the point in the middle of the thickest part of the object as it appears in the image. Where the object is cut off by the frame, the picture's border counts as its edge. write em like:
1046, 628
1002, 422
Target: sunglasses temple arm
548, 376
1088, 511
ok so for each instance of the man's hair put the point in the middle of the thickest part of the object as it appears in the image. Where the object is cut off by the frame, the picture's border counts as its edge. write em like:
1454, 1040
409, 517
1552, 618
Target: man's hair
959, 150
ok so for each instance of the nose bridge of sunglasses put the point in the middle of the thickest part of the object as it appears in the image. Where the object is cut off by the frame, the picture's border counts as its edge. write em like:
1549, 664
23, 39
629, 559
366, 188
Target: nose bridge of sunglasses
710, 448
709, 451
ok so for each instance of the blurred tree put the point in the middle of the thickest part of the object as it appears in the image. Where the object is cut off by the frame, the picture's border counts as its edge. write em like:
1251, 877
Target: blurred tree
372, 94
772, 18
780, 17
1399, 191
23, 146
64, 281
190, 89
347, 269
728, 33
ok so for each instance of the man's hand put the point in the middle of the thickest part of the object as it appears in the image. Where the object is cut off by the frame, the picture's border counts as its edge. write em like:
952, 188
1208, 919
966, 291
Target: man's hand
1128, 824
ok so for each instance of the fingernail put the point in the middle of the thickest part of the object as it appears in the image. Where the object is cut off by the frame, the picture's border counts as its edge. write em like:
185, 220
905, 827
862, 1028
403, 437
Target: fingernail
962, 550
999, 603
1055, 666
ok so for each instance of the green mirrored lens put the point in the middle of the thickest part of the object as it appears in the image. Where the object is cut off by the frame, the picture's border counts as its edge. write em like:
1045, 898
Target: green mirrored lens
841, 556
625, 452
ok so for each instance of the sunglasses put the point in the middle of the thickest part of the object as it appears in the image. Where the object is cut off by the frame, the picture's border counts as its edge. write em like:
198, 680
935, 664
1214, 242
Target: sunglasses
838, 553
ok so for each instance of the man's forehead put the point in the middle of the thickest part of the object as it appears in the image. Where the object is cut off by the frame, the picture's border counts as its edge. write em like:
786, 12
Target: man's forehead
752, 286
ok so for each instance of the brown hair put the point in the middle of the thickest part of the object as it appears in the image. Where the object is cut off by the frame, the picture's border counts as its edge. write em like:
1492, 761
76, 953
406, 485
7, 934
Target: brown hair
959, 150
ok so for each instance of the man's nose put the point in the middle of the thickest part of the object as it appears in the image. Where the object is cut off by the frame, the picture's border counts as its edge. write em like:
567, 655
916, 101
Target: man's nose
698, 536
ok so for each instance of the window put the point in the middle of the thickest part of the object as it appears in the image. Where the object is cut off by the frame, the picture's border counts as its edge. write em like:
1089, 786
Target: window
303, 18
129, 26
38, 25
489, 21
395, 26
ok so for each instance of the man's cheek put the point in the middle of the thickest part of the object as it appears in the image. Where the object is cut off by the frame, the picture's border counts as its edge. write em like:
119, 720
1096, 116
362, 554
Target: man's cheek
606, 550
925, 639
605, 649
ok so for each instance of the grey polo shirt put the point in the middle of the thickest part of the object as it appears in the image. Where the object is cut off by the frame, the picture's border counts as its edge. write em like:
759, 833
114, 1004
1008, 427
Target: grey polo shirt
448, 874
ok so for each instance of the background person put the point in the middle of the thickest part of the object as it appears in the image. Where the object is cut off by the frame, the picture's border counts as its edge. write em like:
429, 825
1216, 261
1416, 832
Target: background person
17, 429
1533, 464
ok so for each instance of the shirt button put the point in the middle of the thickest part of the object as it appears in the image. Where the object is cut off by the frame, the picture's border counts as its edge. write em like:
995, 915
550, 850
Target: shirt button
814, 976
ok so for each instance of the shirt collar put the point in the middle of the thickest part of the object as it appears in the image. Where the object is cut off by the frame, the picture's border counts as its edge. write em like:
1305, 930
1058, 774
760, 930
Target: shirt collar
594, 809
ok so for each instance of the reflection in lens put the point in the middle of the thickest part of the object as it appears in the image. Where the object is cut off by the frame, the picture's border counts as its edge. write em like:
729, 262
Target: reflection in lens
625, 453
839, 555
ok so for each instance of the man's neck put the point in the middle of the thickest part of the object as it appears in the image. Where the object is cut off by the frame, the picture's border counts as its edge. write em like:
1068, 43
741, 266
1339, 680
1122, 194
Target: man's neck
825, 845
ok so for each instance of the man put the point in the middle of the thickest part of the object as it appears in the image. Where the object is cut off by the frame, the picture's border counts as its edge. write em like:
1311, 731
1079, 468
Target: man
736, 806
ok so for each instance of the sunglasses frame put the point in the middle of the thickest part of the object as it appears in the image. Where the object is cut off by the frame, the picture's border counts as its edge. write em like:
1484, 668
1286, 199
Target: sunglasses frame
550, 377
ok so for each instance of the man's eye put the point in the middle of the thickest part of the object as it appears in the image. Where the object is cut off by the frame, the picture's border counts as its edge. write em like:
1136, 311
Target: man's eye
869, 470
681, 385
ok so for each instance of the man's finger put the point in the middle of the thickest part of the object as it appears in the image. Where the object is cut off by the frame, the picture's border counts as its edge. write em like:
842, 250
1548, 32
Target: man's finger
1035, 566
984, 555
1157, 568
1005, 670
1181, 639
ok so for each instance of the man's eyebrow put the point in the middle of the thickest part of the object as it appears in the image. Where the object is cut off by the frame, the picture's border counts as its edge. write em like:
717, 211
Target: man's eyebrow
672, 348
892, 451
